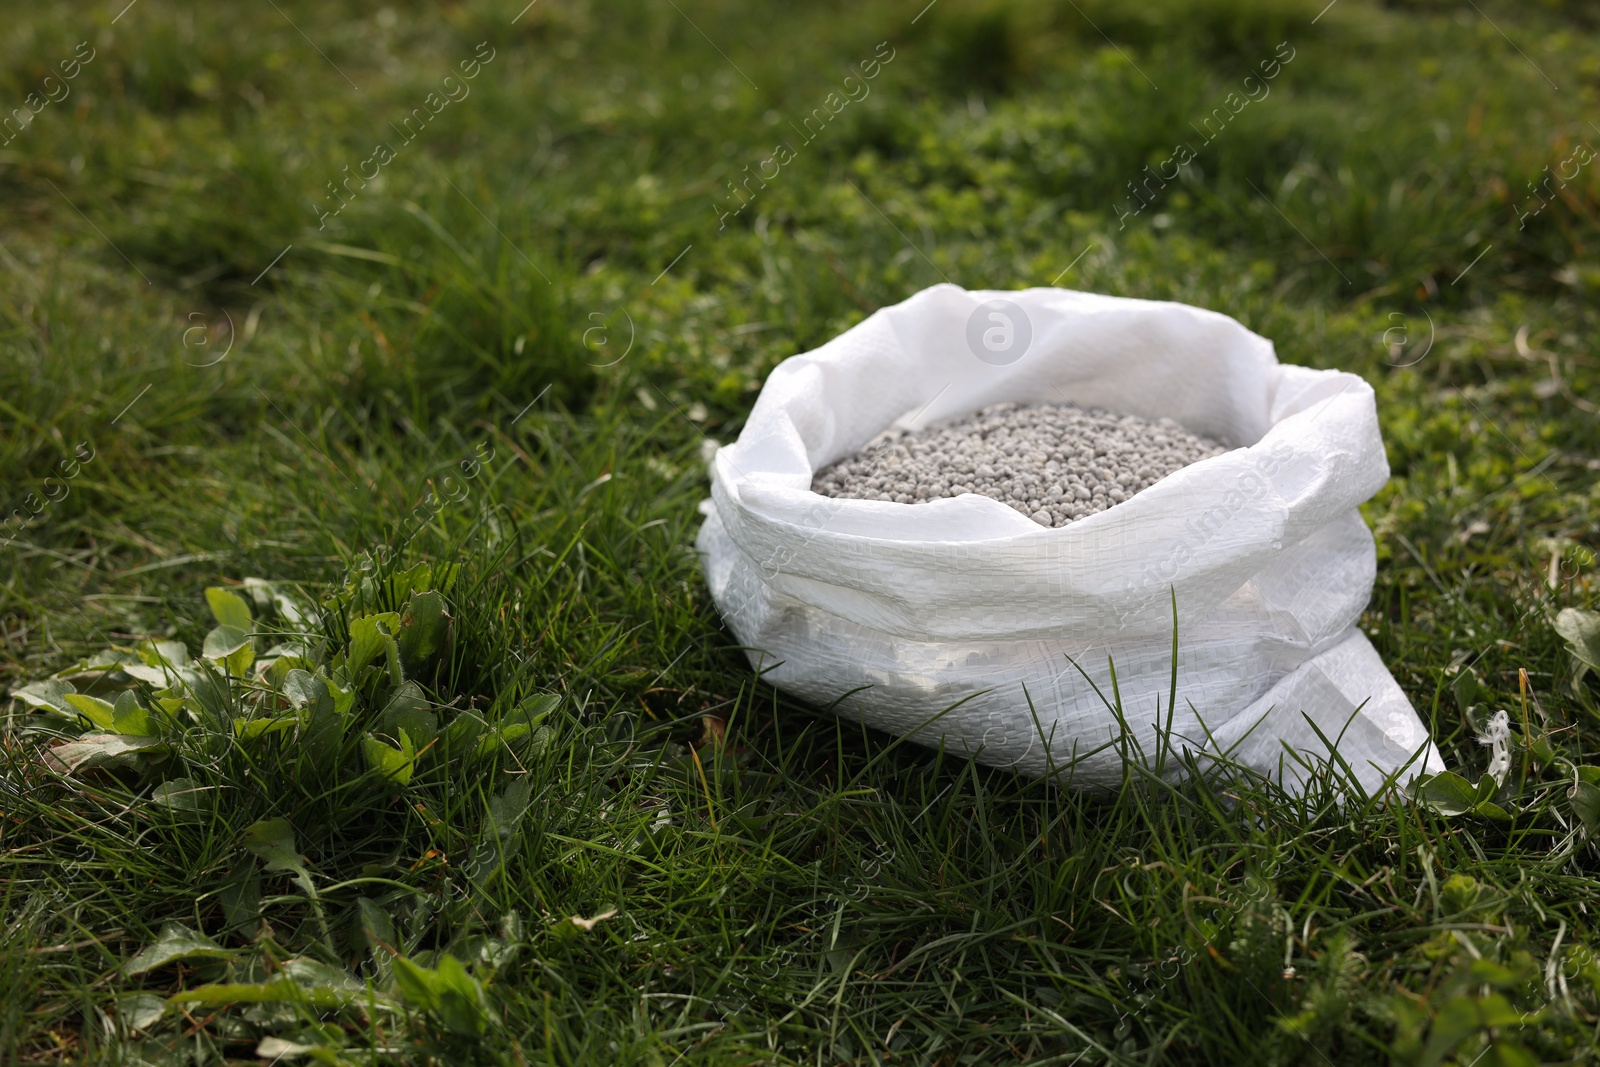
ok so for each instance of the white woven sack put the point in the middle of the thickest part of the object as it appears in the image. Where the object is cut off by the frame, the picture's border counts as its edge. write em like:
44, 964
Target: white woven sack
913, 608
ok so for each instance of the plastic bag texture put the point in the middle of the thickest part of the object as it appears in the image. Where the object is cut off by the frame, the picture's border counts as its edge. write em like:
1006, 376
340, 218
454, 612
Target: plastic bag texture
904, 610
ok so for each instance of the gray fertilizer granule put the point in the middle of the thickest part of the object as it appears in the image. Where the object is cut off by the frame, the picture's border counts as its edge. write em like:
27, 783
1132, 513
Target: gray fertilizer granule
1055, 463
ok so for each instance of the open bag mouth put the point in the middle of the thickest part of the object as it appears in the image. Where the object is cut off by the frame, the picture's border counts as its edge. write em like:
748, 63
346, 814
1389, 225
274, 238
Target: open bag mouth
1308, 449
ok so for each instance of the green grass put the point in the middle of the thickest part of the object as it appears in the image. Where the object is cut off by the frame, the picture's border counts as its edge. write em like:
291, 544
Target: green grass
821, 893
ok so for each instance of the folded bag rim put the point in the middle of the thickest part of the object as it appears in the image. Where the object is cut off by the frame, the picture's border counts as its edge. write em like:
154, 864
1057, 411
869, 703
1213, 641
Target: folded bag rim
1318, 456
